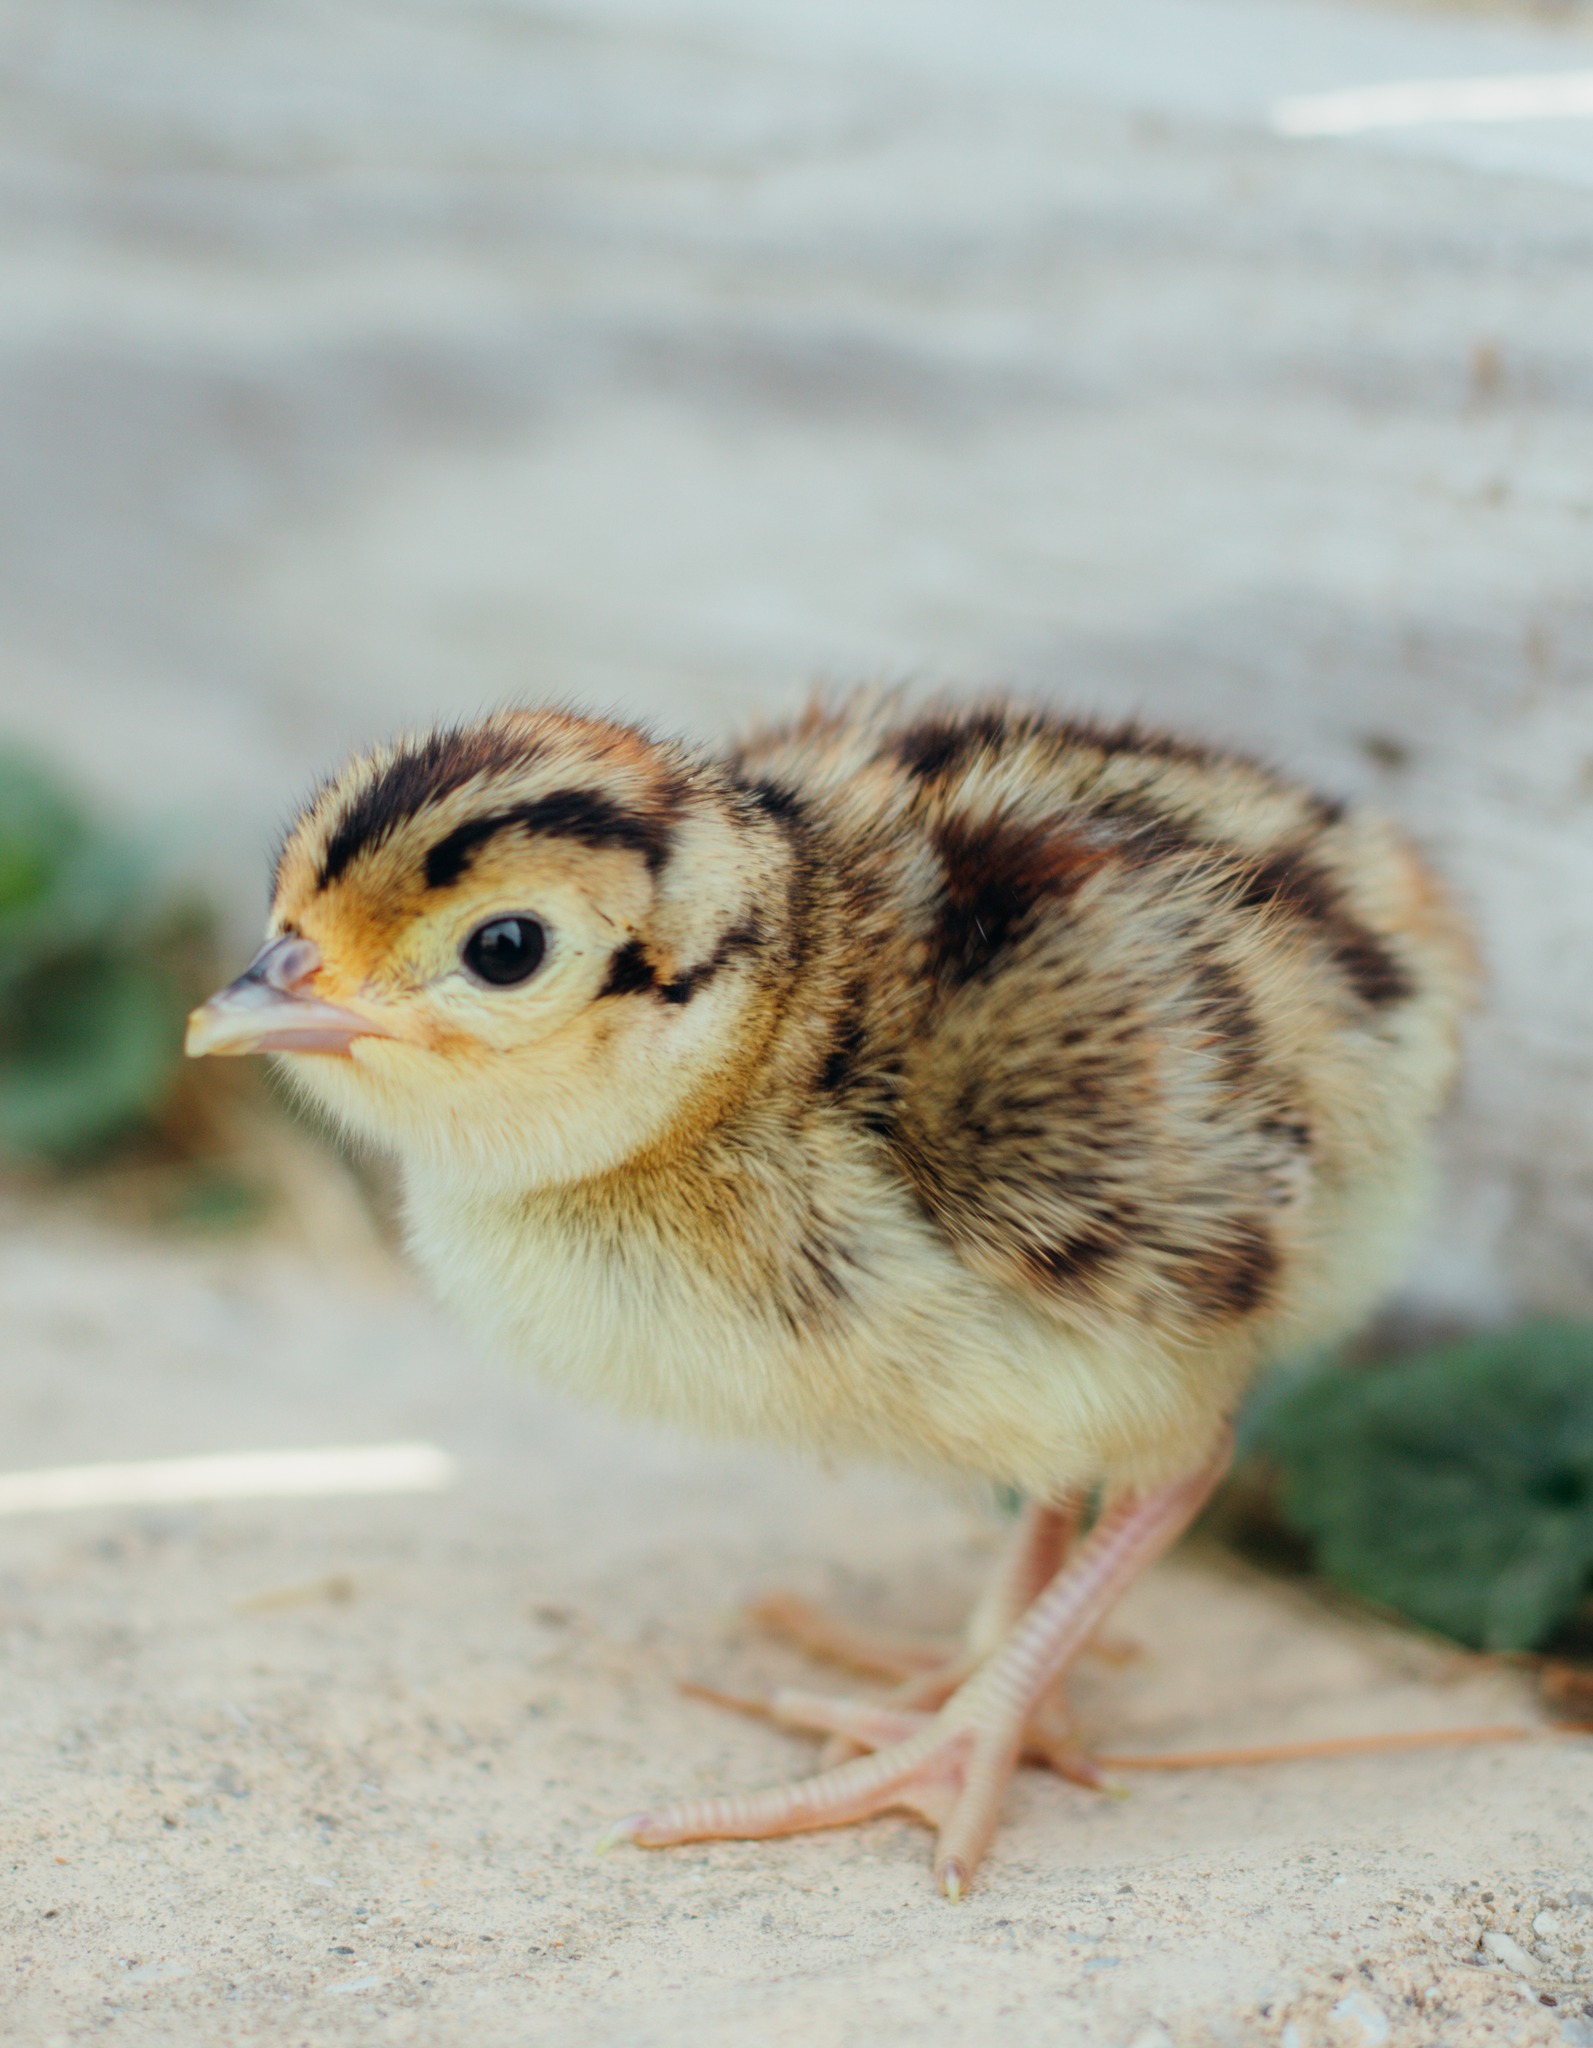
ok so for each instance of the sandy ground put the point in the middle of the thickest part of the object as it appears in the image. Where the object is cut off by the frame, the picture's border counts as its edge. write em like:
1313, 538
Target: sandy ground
333, 1772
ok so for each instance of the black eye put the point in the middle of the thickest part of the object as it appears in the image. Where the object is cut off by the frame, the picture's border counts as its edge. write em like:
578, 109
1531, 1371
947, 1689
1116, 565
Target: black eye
507, 950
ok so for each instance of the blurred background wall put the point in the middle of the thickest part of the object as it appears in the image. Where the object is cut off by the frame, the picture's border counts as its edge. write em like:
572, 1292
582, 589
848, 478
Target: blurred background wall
370, 362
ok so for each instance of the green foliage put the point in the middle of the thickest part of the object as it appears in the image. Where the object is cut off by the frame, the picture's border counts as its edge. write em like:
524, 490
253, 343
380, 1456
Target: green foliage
92, 987
1455, 1486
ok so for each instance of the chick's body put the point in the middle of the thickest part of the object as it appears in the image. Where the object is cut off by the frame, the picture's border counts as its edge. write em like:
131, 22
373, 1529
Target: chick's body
1040, 1082
976, 1088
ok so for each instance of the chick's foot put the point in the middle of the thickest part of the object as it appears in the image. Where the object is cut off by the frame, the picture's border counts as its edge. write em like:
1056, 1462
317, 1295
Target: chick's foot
855, 1727
951, 1766
929, 1669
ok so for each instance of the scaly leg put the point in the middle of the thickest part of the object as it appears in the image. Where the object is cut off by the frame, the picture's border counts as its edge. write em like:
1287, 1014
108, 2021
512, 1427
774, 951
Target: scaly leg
951, 1767
1031, 1559
929, 1669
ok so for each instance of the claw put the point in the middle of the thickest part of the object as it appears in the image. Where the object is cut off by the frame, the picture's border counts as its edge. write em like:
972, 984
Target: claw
736, 1702
953, 1880
625, 1830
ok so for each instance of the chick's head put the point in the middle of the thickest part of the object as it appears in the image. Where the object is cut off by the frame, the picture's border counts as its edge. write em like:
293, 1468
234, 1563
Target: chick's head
531, 947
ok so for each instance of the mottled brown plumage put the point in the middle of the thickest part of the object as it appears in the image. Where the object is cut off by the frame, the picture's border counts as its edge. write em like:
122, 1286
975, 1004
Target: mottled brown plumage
974, 1087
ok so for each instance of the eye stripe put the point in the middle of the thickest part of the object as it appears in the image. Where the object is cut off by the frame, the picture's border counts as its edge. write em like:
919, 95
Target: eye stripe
579, 814
631, 973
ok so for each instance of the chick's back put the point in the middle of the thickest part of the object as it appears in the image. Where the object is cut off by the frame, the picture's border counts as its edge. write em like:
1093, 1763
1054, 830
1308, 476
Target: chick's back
1155, 1035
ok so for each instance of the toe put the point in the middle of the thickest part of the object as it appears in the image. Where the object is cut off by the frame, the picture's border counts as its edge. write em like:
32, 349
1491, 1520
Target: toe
859, 1722
878, 1652
921, 1775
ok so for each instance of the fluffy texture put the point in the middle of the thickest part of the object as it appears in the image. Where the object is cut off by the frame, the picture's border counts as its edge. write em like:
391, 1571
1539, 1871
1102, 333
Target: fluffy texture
974, 1087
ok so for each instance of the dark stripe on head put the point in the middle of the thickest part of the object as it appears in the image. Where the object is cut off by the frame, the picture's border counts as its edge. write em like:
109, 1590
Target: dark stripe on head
995, 875
579, 814
417, 777
448, 859
630, 972
1292, 882
743, 938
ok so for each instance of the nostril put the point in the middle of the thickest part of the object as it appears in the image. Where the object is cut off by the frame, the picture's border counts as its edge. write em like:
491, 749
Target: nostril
284, 964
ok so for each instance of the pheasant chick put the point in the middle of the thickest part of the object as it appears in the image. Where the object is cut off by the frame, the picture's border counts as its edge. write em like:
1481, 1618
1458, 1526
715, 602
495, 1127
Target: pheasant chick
977, 1088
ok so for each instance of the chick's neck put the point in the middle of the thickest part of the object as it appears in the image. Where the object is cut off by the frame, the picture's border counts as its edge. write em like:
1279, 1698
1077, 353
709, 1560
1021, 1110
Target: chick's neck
797, 1079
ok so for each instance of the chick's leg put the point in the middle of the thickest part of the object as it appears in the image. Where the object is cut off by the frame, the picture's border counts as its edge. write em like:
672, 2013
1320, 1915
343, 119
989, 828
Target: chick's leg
951, 1767
1028, 1562
929, 1671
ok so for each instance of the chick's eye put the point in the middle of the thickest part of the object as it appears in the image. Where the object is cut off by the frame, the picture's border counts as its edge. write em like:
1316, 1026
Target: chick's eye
506, 950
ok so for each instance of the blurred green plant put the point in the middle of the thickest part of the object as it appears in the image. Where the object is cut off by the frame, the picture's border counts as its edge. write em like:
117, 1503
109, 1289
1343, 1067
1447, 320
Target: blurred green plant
97, 964
1454, 1486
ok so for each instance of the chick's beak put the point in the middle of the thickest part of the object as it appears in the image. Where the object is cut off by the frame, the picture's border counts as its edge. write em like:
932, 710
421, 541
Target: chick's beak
271, 1008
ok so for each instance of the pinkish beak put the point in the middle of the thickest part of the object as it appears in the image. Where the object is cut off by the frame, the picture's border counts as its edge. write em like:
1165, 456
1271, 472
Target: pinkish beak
270, 1008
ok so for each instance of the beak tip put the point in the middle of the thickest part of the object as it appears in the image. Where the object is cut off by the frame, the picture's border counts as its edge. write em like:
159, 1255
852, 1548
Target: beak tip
198, 1034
